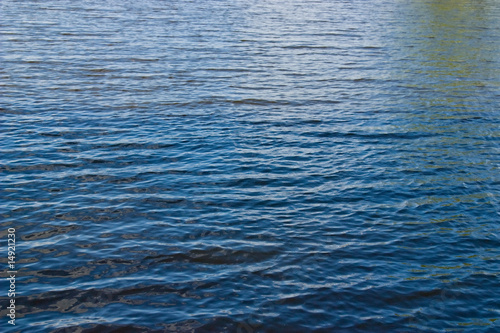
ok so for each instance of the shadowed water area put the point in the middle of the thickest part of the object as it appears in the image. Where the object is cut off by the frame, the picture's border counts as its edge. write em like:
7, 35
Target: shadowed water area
251, 166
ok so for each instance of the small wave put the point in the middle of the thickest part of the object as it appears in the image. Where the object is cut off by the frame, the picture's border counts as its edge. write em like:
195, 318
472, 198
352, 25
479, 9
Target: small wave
39, 167
54, 231
218, 256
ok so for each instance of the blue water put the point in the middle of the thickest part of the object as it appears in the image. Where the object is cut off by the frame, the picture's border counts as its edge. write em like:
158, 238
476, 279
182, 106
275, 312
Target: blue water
251, 166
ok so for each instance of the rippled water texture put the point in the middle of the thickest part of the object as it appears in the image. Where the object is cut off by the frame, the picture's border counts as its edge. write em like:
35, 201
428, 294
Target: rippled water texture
251, 166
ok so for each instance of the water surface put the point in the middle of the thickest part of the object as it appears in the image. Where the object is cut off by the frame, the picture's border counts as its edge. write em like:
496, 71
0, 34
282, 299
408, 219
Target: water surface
251, 166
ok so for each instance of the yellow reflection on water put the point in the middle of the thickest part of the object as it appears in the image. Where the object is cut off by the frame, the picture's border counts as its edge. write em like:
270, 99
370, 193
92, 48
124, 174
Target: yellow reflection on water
454, 52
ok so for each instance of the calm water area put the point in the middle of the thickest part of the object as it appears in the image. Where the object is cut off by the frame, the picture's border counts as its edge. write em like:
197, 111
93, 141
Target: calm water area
251, 166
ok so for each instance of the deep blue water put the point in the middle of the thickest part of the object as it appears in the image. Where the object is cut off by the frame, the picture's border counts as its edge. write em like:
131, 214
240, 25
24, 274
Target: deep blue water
251, 166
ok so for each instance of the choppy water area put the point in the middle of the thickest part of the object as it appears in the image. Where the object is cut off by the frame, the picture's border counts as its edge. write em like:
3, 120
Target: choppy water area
251, 166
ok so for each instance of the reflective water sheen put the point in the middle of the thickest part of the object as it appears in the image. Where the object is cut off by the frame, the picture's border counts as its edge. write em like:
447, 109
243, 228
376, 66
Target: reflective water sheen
251, 166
